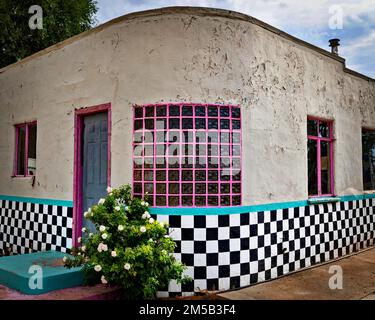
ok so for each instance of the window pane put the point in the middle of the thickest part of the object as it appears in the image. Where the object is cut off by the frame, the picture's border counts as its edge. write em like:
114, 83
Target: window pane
323, 129
21, 150
325, 163
174, 111
312, 128
368, 157
31, 162
187, 110
161, 111
312, 156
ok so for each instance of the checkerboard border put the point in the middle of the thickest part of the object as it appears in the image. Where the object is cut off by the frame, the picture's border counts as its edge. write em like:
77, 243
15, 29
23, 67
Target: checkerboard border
225, 252
28, 227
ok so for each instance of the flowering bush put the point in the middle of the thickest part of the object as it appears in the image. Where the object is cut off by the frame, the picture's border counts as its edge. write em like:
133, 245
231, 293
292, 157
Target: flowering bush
129, 249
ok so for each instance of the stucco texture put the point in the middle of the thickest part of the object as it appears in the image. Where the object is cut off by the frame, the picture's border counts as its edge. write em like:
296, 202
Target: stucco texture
183, 56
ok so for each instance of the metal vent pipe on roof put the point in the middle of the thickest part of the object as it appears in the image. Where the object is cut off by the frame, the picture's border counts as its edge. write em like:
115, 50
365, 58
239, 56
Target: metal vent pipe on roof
334, 44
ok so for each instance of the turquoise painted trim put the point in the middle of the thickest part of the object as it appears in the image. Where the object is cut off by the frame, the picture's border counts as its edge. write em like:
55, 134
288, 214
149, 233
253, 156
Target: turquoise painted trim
254, 208
53, 202
323, 200
357, 197
227, 210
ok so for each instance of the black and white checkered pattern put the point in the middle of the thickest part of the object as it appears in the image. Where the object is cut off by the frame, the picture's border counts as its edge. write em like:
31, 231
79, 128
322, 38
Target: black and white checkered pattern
221, 251
231, 251
27, 227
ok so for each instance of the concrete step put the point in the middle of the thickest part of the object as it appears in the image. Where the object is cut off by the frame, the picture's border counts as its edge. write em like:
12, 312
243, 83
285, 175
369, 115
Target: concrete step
20, 272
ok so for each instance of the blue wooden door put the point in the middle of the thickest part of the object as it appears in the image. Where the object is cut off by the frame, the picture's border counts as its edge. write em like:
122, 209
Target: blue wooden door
95, 162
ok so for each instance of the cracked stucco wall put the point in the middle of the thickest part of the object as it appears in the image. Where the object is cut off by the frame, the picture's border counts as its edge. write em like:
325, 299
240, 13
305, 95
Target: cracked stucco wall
193, 58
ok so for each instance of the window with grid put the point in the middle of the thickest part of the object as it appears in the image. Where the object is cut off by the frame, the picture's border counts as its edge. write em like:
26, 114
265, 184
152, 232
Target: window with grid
320, 157
187, 155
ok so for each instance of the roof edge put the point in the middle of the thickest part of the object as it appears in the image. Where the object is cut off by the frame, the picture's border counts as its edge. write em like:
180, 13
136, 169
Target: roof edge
200, 11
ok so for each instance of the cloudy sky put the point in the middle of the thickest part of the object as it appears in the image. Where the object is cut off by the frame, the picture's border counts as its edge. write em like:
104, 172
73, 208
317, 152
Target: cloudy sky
313, 21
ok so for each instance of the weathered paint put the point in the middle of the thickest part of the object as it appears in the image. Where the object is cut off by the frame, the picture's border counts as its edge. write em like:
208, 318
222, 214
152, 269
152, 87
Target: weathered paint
192, 55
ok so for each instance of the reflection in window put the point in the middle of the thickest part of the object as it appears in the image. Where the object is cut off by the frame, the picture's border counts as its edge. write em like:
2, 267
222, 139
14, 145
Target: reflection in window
196, 153
368, 159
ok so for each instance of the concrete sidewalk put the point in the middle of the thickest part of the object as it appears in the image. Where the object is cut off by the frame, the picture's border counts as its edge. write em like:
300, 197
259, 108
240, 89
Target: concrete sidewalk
312, 284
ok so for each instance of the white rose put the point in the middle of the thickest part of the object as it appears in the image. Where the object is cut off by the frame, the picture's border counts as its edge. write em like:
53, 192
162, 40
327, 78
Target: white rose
84, 229
146, 204
126, 208
120, 227
90, 234
117, 208
105, 247
142, 203
64, 259
102, 228
98, 268
79, 240
104, 281
127, 266
100, 249
142, 229
114, 254
86, 214
105, 236
111, 194
166, 236
83, 248
89, 211
109, 189
151, 220
101, 201
79, 253
145, 215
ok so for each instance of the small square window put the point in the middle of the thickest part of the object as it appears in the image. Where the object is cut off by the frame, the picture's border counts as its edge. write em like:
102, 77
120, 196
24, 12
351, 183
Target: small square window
174, 111
174, 123
161, 111
187, 111
173, 201
187, 188
161, 201
200, 123
200, 111
138, 112
174, 188
200, 188
224, 112
161, 188
236, 112
150, 111
187, 123
212, 111
212, 124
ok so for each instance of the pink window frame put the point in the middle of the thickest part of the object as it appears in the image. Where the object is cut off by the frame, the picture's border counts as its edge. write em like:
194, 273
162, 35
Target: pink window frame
231, 194
368, 129
77, 176
16, 160
331, 140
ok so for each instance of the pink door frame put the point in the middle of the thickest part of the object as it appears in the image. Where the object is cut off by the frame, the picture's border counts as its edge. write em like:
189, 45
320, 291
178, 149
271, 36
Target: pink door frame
77, 178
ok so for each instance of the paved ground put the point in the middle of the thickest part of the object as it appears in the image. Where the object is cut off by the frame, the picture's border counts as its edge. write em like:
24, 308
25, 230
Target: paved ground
312, 284
98, 292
